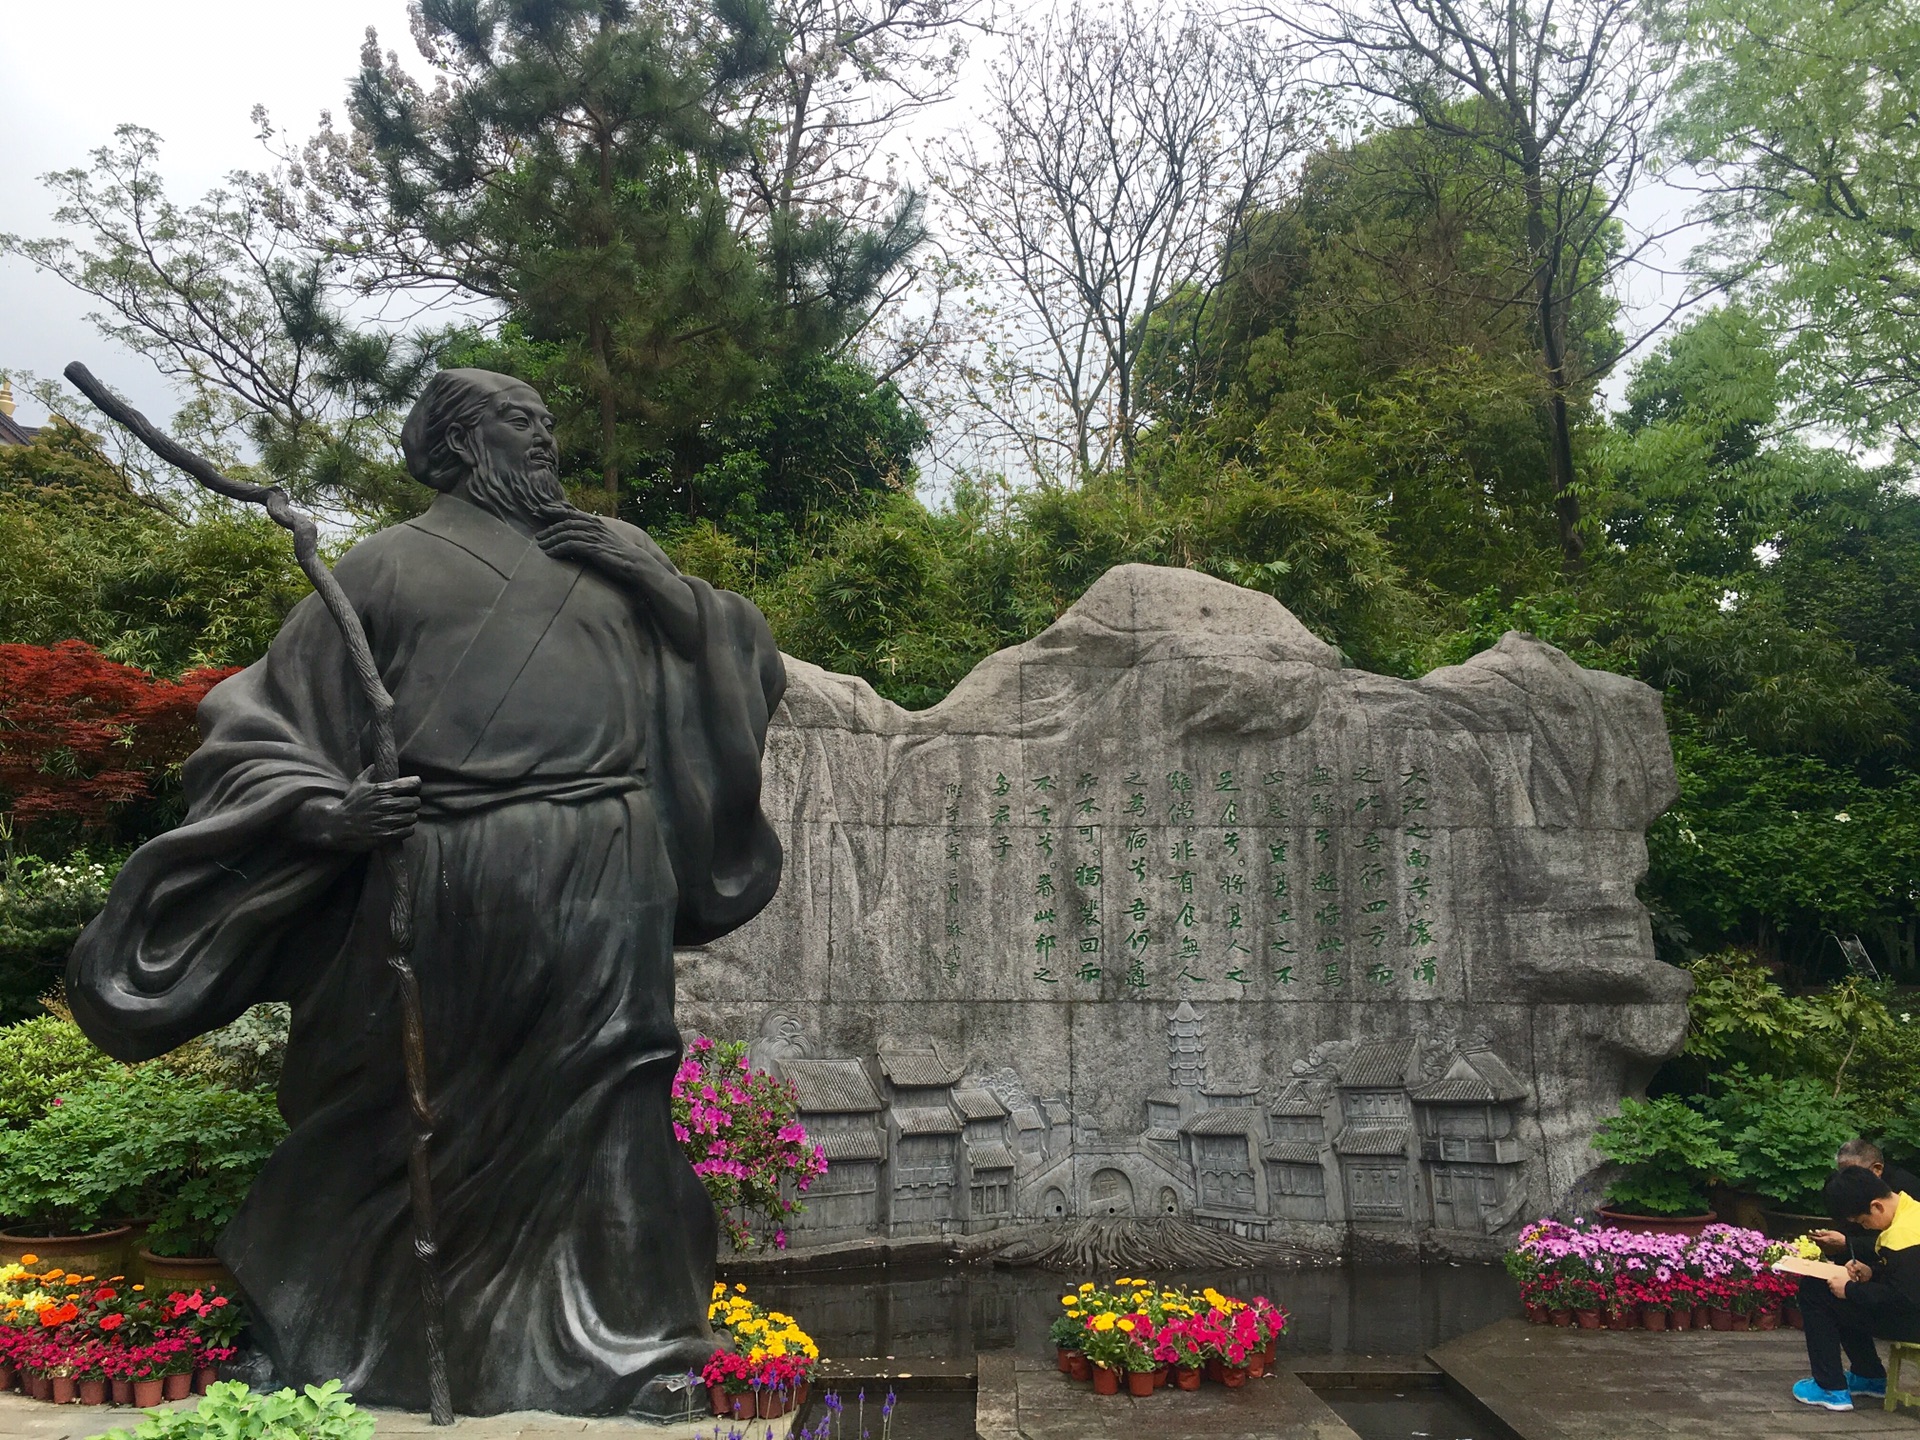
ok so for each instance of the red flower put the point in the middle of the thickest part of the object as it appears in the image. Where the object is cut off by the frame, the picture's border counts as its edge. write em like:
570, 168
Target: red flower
105, 1293
219, 1300
112, 1322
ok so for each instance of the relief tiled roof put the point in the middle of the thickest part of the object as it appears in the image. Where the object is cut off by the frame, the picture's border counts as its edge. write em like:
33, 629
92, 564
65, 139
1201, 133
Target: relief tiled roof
829, 1086
916, 1068
926, 1120
1295, 1099
1374, 1140
1476, 1076
1377, 1065
1237, 1120
977, 1103
861, 1144
1296, 1152
990, 1157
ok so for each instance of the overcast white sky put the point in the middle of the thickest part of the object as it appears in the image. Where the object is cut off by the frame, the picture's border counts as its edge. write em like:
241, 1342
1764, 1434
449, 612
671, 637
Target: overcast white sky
192, 70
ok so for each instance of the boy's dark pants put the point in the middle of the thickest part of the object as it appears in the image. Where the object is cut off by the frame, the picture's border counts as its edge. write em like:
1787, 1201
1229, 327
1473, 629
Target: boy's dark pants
1834, 1325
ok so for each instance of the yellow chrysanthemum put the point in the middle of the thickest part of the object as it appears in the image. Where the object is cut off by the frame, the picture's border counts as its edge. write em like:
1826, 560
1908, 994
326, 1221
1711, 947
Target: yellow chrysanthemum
1086, 1287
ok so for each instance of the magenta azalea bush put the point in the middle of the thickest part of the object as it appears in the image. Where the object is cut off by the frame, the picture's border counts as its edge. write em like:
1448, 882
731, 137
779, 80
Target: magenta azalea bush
741, 1130
1581, 1266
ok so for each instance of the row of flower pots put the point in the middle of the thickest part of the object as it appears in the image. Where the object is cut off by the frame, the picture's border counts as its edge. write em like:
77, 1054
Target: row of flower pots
1141, 1383
114, 1251
1660, 1317
765, 1404
72, 1390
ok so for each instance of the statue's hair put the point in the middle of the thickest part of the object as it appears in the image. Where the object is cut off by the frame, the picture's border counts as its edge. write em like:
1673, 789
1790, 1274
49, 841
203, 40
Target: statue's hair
453, 400
1860, 1152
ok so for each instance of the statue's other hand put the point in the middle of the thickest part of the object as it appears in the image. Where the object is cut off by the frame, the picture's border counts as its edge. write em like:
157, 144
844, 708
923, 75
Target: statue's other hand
371, 813
588, 540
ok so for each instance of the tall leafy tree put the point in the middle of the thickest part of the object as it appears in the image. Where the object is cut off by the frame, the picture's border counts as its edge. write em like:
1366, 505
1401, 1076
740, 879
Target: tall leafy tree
1801, 119
1563, 99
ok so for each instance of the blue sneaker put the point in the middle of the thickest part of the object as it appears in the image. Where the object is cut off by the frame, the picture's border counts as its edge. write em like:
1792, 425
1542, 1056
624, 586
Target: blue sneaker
1860, 1385
1807, 1392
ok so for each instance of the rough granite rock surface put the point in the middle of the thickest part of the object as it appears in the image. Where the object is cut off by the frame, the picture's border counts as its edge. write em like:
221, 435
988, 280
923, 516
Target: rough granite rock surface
1229, 932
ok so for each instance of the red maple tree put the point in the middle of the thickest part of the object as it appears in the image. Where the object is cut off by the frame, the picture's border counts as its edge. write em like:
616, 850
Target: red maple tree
81, 735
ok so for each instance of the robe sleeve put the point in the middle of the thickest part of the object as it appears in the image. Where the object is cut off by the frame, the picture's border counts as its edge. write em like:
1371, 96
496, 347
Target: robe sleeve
225, 911
713, 712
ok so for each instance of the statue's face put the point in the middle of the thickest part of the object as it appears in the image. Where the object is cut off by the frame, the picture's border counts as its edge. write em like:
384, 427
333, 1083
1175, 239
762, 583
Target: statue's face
516, 433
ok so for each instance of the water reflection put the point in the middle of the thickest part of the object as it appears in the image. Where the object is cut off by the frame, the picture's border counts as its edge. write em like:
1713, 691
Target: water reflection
951, 1312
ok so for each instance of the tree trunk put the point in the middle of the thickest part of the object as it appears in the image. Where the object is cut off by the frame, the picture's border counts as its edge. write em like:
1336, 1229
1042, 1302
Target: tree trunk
1553, 358
609, 417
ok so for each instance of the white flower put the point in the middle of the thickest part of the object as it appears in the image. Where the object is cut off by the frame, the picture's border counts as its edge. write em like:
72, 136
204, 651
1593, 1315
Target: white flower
1842, 816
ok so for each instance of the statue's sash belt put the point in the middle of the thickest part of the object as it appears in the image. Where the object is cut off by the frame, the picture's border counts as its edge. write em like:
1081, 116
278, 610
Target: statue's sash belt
442, 799
453, 722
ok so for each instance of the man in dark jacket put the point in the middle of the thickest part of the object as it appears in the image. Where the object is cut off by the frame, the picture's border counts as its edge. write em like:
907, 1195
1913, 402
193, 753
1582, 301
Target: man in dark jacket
1877, 1298
1851, 1242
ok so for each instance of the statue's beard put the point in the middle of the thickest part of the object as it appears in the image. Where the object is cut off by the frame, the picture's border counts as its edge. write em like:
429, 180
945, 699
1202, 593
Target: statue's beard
531, 495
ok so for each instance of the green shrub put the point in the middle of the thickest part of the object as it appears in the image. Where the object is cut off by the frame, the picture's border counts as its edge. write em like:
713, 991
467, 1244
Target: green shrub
178, 1150
42, 1058
44, 905
245, 1055
230, 1411
1670, 1150
1783, 1135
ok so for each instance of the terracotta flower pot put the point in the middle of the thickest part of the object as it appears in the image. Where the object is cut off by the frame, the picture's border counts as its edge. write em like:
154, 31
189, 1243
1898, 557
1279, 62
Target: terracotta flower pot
1187, 1377
39, 1387
1271, 1349
178, 1387
1790, 1313
743, 1406
1702, 1316
1767, 1319
1653, 1317
7, 1377
1140, 1382
1681, 1318
1078, 1366
1256, 1364
1623, 1319
717, 1400
1719, 1319
1233, 1376
1742, 1321
1689, 1225
1562, 1318
203, 1377
184, 1271
93, 1392
119, 1391
1587, 1319
100, 1253
1060, 1358
773, 1404
1159, 1374
1105, 1381
1213, 1371
149, 1393
1536, 1314
65, 1387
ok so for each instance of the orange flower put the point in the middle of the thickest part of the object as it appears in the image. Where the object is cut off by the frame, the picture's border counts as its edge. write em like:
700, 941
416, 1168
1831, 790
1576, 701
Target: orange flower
52, 1315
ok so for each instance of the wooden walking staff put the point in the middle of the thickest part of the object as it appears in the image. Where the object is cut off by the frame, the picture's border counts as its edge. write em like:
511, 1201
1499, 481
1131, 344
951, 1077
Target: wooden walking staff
386, 766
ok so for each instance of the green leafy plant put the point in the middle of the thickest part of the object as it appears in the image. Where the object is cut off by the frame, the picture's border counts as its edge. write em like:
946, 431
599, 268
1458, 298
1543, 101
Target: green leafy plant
175, 1149
1067, 1333
1670, 1152
40, 1059
230, 1411
1783, 1135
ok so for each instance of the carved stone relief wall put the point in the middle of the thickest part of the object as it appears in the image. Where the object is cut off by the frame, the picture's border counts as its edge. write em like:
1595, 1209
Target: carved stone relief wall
1166, 912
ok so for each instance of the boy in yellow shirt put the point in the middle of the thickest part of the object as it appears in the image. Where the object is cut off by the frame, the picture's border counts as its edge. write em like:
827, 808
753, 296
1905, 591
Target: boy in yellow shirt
1881, 1298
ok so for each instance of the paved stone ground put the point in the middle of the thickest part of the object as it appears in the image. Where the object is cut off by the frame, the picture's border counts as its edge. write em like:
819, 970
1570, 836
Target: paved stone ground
1549, 1384
24, 1419
1022, 1397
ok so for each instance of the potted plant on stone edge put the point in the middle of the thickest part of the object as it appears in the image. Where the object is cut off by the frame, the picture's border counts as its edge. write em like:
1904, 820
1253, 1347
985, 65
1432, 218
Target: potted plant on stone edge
1670, 1152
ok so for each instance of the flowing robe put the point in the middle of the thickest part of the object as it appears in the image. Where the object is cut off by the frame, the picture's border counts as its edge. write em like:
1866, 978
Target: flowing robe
589, 796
